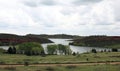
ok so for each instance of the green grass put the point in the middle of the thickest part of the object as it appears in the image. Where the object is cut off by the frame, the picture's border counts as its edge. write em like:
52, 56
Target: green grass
92, 57
64, 68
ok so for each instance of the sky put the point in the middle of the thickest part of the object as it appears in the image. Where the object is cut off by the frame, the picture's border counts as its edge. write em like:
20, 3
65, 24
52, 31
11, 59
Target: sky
75, 17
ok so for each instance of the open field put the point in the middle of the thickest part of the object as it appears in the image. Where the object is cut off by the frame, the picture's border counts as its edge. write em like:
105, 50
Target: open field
106, 61
86, 57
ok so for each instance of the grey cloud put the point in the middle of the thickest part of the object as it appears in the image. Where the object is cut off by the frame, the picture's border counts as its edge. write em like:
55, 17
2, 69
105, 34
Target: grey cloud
84, 2
116, 8
36, 3
117, 14
48, 2
104, 23
31, 4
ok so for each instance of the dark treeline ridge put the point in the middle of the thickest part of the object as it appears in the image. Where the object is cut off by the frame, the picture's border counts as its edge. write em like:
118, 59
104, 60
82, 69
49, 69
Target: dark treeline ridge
98, 41
64, 36
12, 39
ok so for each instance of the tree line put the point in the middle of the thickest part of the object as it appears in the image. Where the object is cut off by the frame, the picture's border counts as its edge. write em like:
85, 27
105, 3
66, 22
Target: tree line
33, 48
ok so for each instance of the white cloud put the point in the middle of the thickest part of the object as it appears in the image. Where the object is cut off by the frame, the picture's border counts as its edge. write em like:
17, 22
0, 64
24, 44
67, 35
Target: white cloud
60, 16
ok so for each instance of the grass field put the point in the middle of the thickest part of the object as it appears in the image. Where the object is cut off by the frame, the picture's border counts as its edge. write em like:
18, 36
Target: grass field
92, 57
85, 57
64, 68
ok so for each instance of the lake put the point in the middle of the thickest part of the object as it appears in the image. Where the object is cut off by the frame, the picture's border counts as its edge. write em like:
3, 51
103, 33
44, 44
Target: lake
79, 49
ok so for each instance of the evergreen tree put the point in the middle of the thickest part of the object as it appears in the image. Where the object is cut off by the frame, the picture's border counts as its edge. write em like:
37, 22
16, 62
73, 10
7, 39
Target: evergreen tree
14, 50
114, 50
94, 51
74, 54
10, 50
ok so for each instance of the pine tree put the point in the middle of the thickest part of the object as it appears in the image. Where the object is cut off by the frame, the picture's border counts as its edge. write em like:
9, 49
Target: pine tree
10, 50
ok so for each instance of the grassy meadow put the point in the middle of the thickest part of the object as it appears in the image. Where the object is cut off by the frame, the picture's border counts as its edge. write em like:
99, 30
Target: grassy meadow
85, 57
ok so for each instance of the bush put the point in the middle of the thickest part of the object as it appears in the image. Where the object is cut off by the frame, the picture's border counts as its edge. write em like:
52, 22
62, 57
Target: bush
1, 62
114, 50
74, 54
10, 68
50, 69
93, 51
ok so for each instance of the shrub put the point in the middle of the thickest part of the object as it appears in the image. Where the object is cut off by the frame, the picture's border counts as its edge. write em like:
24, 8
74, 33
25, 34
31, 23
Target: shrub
10, 68
74, 54
1, 62
50, 69
114, 50
93, 51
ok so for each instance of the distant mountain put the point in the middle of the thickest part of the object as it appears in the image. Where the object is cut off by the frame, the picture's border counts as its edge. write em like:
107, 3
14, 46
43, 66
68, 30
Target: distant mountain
12, 39
64, 36
98, 41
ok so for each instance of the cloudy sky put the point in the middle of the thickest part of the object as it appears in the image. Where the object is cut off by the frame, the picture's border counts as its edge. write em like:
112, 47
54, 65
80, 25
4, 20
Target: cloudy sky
77, 17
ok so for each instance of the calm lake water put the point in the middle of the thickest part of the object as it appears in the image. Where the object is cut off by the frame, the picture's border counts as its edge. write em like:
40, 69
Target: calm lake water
79, 49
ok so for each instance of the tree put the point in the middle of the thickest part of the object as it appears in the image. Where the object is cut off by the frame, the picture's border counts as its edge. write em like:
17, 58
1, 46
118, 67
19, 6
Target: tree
68, 51
52, 49
114, 50
14, 50
63, 49
31, 48
74, 54
94, 51
10, 50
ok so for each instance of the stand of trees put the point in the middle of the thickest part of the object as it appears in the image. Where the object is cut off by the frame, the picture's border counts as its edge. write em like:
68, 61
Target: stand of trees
11, 50
30, 48
33, 48
58, 49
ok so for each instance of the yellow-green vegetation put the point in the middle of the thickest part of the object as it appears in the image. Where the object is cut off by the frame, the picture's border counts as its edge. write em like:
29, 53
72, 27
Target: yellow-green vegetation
106, 67
85, 57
